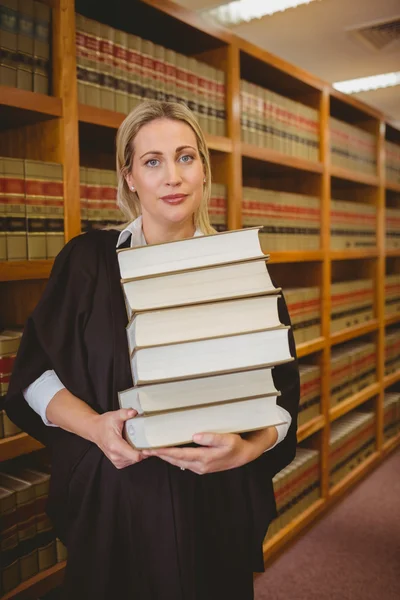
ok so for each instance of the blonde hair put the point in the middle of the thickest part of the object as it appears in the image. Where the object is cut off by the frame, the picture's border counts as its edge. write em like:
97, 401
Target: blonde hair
150, 110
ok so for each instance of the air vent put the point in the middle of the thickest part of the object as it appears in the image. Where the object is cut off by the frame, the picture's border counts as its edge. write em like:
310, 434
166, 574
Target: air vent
380, 35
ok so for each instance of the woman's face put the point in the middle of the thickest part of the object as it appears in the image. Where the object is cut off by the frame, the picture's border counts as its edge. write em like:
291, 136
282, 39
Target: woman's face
167, 172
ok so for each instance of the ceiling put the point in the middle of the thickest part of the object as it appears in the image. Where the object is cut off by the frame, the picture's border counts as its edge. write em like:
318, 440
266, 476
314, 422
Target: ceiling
319, 37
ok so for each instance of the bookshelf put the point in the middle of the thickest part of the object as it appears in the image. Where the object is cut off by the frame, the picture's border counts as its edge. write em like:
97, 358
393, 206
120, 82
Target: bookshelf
59, 128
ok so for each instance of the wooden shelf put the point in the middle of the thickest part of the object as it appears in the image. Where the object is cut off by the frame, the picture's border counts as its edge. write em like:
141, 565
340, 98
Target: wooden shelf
357, 473
392, 319
283, 160
353, 332
307, 348
38, 585
393, 187
310, 428
283, 536
391, 444
353, 254
13, 446
19, 107
389, 380
101, 117
15, 270
294, 255
354, 176
347, 405
394, 253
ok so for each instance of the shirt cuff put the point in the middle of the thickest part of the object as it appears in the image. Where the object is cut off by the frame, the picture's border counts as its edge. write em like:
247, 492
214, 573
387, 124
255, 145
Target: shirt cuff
282, 428
41, 391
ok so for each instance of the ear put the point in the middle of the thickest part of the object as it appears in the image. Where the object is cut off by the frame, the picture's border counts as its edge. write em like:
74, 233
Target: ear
129, 180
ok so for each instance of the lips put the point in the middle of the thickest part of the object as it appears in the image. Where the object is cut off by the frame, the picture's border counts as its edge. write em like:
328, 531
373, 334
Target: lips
174, 198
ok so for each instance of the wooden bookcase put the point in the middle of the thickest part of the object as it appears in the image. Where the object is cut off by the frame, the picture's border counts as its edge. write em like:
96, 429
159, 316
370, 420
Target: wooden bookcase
57, 128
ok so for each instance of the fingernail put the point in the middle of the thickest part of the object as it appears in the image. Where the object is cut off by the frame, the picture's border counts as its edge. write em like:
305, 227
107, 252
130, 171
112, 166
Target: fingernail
197, 438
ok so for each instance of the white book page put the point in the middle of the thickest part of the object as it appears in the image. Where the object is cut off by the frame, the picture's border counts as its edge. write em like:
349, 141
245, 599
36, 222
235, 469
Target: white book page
218, 355
218, 283
174, 428
186, 254
192, 392
202, 321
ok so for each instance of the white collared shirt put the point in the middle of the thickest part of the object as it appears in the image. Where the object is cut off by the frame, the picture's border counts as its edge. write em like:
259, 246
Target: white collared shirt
44, 388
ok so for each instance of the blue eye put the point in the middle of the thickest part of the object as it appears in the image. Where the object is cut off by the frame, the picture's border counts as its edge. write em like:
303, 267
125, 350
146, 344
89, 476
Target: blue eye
150, 163
187, 156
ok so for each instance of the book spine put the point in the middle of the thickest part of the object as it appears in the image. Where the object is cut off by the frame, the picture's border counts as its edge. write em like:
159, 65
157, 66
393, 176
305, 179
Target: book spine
41, 48
8, 42
25, 43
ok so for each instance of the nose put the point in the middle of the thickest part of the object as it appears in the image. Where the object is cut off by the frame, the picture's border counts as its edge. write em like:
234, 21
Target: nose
173, 175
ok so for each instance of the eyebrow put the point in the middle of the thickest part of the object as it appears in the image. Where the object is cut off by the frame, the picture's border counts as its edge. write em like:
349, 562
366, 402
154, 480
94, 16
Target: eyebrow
158, 153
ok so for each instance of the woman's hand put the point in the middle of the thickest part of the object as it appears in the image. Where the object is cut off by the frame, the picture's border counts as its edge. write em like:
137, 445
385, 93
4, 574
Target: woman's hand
107, 434
220, 451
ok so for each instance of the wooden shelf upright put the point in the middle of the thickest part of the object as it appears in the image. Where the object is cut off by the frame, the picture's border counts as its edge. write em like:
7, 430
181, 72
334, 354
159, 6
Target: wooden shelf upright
58, 128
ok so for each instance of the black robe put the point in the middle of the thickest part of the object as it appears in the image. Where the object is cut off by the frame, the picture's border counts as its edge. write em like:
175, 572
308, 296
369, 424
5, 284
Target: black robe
150, 531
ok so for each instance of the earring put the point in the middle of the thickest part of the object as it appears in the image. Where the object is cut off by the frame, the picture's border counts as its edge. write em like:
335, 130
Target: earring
204, 180
133, 189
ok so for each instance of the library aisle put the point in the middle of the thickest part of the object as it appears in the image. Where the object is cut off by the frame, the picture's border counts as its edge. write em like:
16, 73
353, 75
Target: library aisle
353, 553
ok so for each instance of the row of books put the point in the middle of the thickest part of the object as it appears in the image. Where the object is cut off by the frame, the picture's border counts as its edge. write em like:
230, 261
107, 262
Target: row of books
117, 70
25, 34
352, 147
392, 162
304, 305
392, 294
310, 393
290, 221
392, 350
353, 367
296, 488
391, 415
352, 303
31, 209
352, 225
27, 540
204, 335
269, 120
98, 200
392, 218
352, 440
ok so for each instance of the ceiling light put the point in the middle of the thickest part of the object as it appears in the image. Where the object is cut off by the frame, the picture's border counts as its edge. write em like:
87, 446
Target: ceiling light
246, 10
364, 84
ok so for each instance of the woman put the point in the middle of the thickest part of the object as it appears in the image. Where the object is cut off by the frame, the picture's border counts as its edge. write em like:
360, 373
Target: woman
144, 524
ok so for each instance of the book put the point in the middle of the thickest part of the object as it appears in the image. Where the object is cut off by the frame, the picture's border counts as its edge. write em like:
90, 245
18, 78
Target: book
214, 319
237, 280
173, 428
214, 389
210, 356
217, 249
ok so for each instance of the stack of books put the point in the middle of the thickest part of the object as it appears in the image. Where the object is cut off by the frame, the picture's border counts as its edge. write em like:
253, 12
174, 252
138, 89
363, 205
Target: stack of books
353, 367
352, 147
392, 350
352, 440
9, 343
392, 218
310, 393
117, 70
391, 415
353, 225
392, 294
392, 152
272, 121
291, 221
352, 303
204, 334
25, 35
31, 209
296, 487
